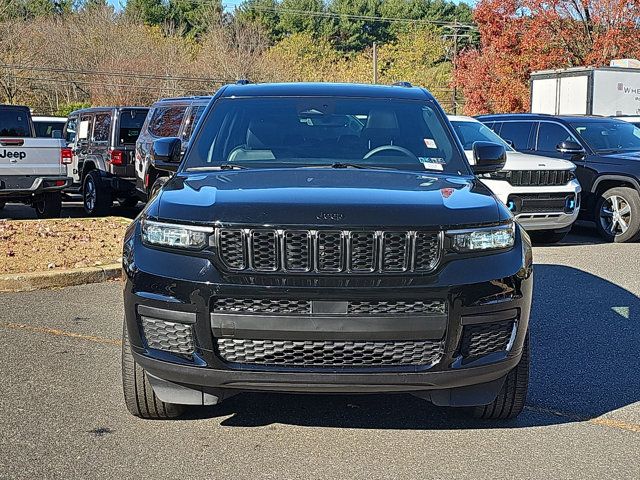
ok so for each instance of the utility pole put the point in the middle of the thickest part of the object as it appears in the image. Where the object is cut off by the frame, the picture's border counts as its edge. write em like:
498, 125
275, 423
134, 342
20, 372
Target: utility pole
455, 58
375, 62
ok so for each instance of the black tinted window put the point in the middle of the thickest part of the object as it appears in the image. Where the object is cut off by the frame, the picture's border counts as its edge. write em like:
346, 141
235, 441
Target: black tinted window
102, 127
609, 135
130, 125
192, 121
14, 122
70, 130
550, 135
48, 129
518, 133
166, 121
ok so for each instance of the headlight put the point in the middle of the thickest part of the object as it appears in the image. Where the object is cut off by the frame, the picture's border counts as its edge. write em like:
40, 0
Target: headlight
499, 175
486, 238
175, 236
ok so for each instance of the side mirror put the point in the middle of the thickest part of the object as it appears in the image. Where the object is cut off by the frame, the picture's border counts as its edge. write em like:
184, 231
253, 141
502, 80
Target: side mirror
489, 157
166, 154
570, 147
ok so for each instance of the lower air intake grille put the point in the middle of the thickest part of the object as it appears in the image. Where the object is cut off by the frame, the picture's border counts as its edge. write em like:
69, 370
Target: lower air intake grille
168, 336
304, 307
291, 353
397, 307
482, 339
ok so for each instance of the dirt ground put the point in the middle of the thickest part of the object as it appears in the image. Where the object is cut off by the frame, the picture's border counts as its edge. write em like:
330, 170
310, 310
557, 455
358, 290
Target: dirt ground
41, 245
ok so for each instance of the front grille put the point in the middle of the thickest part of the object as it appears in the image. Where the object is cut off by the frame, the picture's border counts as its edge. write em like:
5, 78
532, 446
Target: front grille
292, 353
328, 251
482, 339
531, 178
304, 307
168, 336
541, 202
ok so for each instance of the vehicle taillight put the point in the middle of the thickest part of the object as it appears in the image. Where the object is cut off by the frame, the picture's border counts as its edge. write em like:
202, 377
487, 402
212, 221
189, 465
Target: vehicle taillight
117, 157
66, 156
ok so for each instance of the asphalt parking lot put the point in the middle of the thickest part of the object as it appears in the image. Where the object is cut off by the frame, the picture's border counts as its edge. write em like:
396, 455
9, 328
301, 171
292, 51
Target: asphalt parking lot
62, 413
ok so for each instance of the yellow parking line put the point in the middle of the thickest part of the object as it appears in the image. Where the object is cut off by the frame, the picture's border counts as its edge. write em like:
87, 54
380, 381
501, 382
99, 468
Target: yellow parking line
601, 421
60, 333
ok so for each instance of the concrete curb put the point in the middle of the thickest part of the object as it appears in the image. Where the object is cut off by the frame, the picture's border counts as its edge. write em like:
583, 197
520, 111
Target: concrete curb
24, 282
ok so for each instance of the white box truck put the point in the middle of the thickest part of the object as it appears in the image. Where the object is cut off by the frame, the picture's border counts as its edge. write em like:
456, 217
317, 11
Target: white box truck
607, 91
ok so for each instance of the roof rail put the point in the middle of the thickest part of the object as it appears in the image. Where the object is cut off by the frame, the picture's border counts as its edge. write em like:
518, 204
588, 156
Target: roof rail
402, 84
242, 81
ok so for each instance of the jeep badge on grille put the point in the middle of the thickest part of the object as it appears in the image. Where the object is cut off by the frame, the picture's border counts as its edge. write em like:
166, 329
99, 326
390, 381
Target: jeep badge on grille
330, 216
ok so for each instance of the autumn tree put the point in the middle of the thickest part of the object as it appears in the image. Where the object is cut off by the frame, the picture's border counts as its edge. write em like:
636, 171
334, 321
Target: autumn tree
521, 36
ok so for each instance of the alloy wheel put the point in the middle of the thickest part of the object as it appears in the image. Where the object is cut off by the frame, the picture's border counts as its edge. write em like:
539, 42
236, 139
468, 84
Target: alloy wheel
90, 195
615, 215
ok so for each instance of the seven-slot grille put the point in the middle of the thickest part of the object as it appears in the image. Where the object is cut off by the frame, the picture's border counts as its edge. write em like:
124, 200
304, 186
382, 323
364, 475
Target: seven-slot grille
309, 353
530, 178
328, 251
304, 307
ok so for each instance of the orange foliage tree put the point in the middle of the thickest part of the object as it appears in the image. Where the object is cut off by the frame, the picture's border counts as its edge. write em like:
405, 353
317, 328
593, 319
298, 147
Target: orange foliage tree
521, 36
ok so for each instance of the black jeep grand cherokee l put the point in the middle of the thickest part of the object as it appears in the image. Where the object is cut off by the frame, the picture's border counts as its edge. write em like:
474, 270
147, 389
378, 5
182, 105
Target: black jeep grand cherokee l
326, 238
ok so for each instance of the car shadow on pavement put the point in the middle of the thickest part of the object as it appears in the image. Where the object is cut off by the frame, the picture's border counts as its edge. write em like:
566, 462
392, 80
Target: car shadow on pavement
18, 211
585, 334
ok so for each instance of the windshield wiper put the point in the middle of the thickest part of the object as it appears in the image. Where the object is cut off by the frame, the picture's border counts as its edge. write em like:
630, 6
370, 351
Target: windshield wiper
222, 166
348, 165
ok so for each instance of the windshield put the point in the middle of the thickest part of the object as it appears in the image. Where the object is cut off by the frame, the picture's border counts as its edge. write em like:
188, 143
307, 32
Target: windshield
608, 136
317, 131
14, 122
470, 132
130, 124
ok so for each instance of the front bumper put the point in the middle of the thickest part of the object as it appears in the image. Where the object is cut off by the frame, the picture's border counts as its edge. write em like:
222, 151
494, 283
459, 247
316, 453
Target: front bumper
478, 291
25, 186
544, 219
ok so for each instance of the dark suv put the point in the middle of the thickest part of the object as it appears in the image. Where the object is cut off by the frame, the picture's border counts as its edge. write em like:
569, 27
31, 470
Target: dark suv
606, 153
326, 238
169, 117
103, 141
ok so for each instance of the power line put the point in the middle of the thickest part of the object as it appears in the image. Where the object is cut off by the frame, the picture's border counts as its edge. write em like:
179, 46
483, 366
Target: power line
104, 84
114, 74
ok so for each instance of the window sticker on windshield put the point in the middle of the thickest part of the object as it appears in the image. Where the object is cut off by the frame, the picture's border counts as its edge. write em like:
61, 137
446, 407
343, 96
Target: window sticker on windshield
432, 163
430, 143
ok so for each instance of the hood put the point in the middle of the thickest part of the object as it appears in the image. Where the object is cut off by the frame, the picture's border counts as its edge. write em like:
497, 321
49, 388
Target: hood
619, 158
525, 161
327, 197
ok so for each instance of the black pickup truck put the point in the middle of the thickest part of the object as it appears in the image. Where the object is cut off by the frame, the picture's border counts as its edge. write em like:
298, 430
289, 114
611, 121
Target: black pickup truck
325, 238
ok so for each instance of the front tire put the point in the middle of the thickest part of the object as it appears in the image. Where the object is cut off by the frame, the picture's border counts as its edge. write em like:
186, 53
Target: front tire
510, 401
96, 196
49, 205
128, 202
139, 396
618, 215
